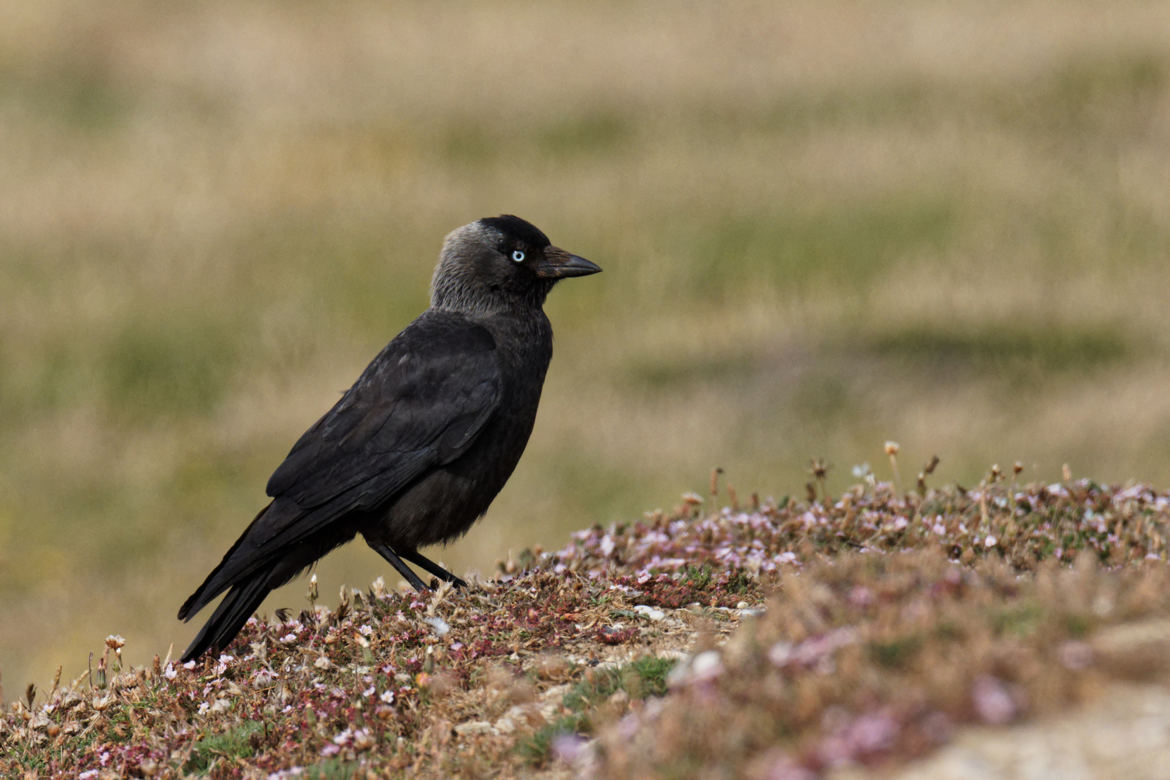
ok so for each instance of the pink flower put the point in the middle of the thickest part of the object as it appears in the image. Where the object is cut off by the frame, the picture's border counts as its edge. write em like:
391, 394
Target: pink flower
567, 747
993, 701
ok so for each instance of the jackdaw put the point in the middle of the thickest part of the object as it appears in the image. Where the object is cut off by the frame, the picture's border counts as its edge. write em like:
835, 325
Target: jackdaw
416, 450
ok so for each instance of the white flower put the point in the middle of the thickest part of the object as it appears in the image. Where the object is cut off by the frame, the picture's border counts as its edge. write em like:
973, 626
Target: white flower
438, 624
607, 545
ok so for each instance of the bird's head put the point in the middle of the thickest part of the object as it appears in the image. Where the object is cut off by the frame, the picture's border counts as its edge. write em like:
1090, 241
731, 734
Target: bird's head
500, 263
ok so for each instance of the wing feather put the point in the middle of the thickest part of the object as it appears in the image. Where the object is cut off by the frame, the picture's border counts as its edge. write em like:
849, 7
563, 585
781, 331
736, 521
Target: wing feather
420, 403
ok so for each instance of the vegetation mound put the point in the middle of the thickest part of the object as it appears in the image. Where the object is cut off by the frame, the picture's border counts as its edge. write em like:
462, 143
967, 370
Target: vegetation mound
782, 638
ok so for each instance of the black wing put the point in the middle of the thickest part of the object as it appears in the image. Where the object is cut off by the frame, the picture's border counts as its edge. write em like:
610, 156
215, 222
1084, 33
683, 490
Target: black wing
420, 403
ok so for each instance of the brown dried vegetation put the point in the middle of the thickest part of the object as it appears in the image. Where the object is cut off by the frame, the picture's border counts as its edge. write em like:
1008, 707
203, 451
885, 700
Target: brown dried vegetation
780, 640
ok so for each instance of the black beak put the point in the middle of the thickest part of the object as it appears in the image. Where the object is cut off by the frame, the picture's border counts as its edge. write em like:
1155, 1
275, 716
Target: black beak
559, 264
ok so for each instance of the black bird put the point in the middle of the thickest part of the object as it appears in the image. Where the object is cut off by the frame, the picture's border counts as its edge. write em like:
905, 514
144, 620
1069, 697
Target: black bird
416, 450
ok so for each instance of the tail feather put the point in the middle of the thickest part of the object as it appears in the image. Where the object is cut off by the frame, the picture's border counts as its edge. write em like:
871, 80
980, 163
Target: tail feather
229, 572
230, 616
279, 531
275, 547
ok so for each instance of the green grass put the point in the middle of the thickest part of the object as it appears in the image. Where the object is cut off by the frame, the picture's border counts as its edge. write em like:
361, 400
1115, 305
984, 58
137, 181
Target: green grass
640, 679
332, 769
897, 653
643, 677
803, 246
537, 749
168, 367
235, 743
72, 96
1046, 350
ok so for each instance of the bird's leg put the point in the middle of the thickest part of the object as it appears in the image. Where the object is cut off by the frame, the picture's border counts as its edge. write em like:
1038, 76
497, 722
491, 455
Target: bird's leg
419, 560
385, 551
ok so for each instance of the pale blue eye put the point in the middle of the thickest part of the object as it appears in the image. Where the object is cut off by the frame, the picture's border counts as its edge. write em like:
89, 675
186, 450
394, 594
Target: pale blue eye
518, 256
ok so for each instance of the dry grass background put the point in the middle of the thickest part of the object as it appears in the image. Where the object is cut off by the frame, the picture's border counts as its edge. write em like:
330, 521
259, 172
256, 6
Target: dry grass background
822, 225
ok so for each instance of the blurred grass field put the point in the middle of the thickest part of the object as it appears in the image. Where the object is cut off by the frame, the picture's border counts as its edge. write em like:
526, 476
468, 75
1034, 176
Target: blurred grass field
822, 226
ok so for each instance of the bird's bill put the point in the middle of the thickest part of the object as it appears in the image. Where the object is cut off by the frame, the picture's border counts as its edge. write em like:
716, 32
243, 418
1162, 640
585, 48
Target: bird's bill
558, 264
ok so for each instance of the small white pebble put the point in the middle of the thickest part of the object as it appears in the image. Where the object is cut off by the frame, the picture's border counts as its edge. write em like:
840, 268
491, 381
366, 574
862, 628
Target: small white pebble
507, 723
648, 612
742, 605
707, 665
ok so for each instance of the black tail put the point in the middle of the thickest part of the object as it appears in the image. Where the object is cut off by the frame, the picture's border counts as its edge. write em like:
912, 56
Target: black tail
231, 570
230, 616
259, 577
252, 568
280, 542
